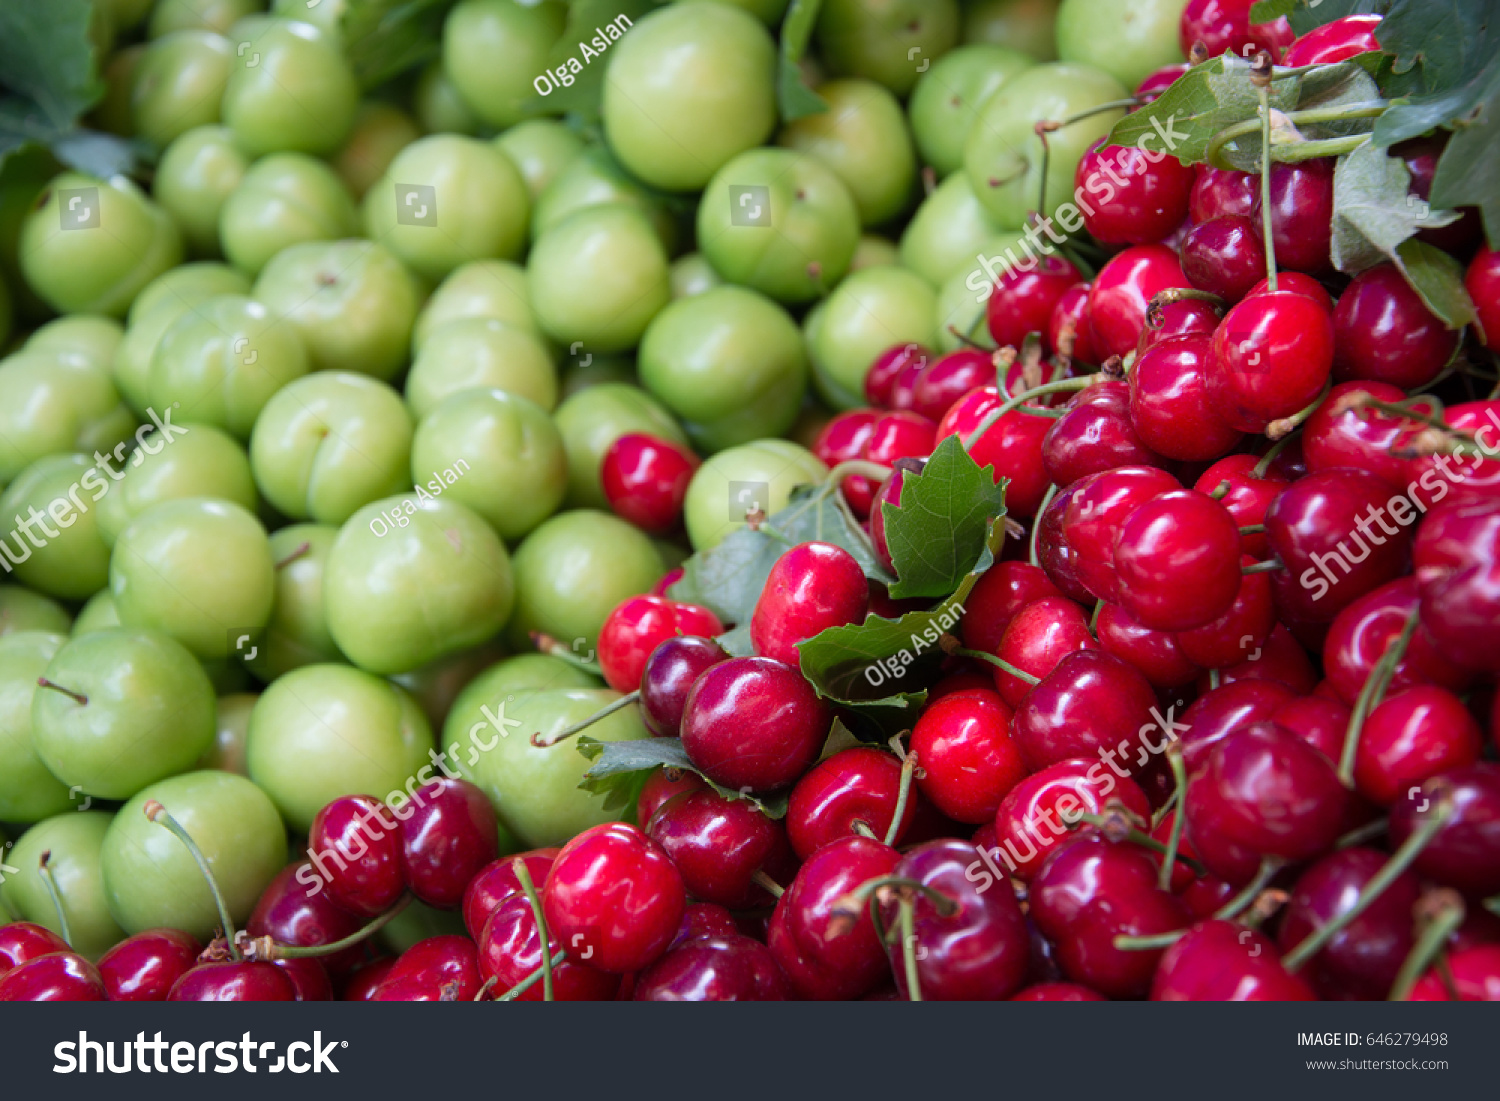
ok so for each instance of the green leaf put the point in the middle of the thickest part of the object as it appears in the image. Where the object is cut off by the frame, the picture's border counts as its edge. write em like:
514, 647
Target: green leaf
621, 768
1470, 165
47, 58
737, 642
1308, 14
385, 38
728, 578
938, 533
1264, 11
1439, 279
796, 99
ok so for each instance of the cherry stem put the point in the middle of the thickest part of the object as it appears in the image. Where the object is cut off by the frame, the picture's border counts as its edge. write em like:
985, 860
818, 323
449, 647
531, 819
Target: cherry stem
1260, 468
77, 697
855, 468
1003, 359
1279, 429
523, 876
1267, 566
1161, 299
909, 950
1036, 524
1042, 128
1263, 90
1252, 529
1174, 838
755, 520
998, 663
531, 980
1298, 151
1127, 943
297, 552
1373, 692
851, 904
1094, 618
903, 794
1398, 863
548, 741
861, 827
774, 889
1237, 905
50, 882
1090, 112
1222, 490
264, 948
1041, 411
1115, 828
1493, 905
548, 645
159, 814
1437, 922
963, 335
1213, 679
1062, 386
1368, 832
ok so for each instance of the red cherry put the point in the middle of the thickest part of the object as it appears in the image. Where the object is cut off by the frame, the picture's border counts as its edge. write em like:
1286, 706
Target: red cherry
1177, 558
844, 437
24, 940
1279, 658
784, 741
1411, 736
899, 435
1122, 291
498, 881
1147, 91
949, 378
1224, 961
1001, 591
1337, 41
355, 843
891, 363
1094, 515
637, 626
812, 587
510, 950
143, 968
1320, 722
1224, 193
1040, 636
1215, 715
1342, 433
287, 913
1247, 498
662, 784
614, 891
1223, 26
1421, 156
1023, 299
719, 844
967, 755
1384, 332
1270, 358
1154, 653
1475, 973
230, 981
860, 784
730, 968
1012, 446
1229, 639
439, 969
1170, 405
1180, 317
1361, 633
669, 675
1070, 315
1092, 704
367, 980
55, 977
646, 480
1095, 434
1033, 818
1055, 554
1059, 992
1482, 281
704, 919
1294, 282
889, 493
1465, 851
1224, 256
1134, 196
450, 836
1469, 477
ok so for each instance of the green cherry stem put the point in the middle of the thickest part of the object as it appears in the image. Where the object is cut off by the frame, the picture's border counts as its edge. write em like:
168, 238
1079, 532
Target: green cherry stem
1174, 838
1359, 836
769, 885
159, 814
1268, 566
1279, 429
1260, 468
1372, 693
998, 663
50, 882
547, 741
1260, 76
909, 950
77, 697
1237, 905
264, 948
854, 468
1062, 386
523, 876
908, 770
1214, 152
1437, 918
1036, 524
548, 645
532, 979
1115, 828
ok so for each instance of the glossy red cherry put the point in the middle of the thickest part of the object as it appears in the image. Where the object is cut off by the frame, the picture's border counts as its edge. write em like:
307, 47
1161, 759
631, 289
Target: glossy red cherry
1070, 320
1247, 497
143, 968
889, 493
1022, 301
1092, 704
730, 968
1001, 591
498, 881
55, 977
1224, 256
510, 950
231, 981
1270, 358
1012, 446
646, 480
843, 438
949, 378
1302, 214
719, 844
25, 940
1122, 291
1223, 26
1237, 633
1410, 736
1096, 510
860, 784
1319, 721
1148, 89
288, 914
1465, 852
1421, 156
1384, 332
1039, 636
1034, 817
890, 364
1294, 282
1224, 193
812, 587
1058, 992
1459, 612
669, 675
900, 435
1154, 653
1482, 280
977, 953
1224, 961
1475, 973
1361, 633
367, 980
1341, 432
1216, 714
704, 919
637, 626
791, 724
1337, 41
614, 897
1131, 196
1180, 317
1177, 558
355, 844
439, 969
967, 755
1279, 658
1472, 476
1095, 434
450, 836
1055, 554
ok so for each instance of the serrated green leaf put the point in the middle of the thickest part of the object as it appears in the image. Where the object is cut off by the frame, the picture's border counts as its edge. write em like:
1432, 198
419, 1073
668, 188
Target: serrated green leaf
1450, 50
1439, 279
794, 97
938, 533
1264, 11
1373, 211
46, 57
1470, 165
621, 767
1309, 14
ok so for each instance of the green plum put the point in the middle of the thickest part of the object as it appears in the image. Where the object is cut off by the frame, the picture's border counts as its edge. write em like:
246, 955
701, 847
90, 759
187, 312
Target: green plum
197, 569
874, 251
178, 84
91, 244
95, 338
1127, 41
693, 274
151, 880
283, 200
687, 89
329, 444
594, 178
165, 299
481, 288
890, 41
69, 561
481, 353
352, 301
222, 361
289, 89
297, 634
23, 610
729, 364
207, 15
227, 754
572, 571
523, 672
1003, 154
948, 98
869, 312
54, 402
962, 297
1025, 25
493, 49
196, 175
598, 277
381, 130
863, 137
535, 790
767, 11
592, 419
540, 149
795, 248
203, 462
324, 731
592, 370
758, 475
72, 843
414, 578
514, 467
437, 685
28, 792
326, 15
448, 199
116, 710
940, 237
98, 614
438, 106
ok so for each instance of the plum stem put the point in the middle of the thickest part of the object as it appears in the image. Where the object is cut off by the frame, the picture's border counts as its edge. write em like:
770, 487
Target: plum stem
50, 882
542, 741
76, 697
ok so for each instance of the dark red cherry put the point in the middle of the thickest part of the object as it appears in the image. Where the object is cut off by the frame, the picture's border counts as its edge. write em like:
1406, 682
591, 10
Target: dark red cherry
860, 784
1383, 332
1295, 282
1122, 291
24, 940
669, 675
309, 979
1216, 714
949, 378
498, 881
646, 480
1224, 193
1465, 851
1154, 653
882, 375
1170, 404
1022, 301
1482, 280
1058, 992
661, 785
1001, 591
1177, 558
1095, 434
730, 968
1410, 736
614, 897
966, 754
1475, 973
55, 977
844, 437
355, 844
1319, 721
510, 950
637, 626
1034, 818
1361, 633
1247, 497
889, 493
812, 587
1224, 256
289, 914
1337, 41
1055, 554
1362, 960
1180, 317
1147, 90
1224, 961
719, 844
231, 981
1302, 214
1131, 196
450, 836
1091, 704
1341, 432
790, 728
1470, 477
1270, 358
1070, 320
367, 980
1421, 156
439, 969
1279, 658
1039, 636
1223, 26
904, 434
980, 952
143, 968
1232, 637
704, 919
1012, 446
1096, 510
